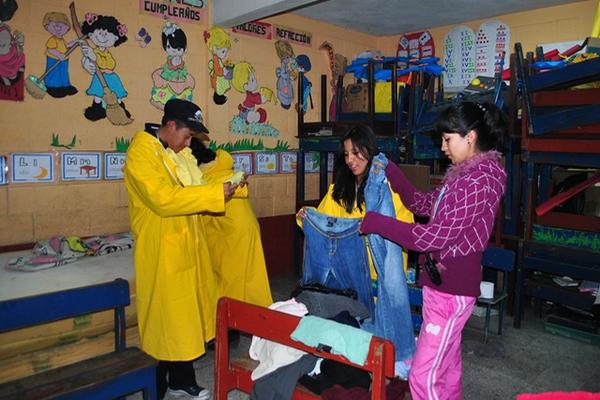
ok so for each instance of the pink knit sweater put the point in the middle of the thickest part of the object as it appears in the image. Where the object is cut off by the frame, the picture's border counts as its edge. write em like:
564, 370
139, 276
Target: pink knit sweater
458, 231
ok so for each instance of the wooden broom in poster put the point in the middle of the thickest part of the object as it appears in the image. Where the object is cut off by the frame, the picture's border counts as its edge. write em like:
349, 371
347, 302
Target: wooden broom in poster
114, 112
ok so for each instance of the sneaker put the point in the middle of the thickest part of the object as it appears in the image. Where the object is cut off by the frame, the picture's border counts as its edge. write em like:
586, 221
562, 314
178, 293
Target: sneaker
191, 392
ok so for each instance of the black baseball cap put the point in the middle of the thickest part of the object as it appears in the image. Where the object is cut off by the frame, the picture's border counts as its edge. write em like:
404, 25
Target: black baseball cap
186, 112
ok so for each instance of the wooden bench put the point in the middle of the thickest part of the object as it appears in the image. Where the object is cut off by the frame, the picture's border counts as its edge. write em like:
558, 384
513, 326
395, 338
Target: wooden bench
124, 371
277, 326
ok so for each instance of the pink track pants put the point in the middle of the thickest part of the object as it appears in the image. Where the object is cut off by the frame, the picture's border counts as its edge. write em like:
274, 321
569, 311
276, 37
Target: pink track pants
436, 372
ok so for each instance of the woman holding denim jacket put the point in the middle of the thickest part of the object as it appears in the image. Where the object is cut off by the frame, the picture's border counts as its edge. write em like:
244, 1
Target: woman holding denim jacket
461, 215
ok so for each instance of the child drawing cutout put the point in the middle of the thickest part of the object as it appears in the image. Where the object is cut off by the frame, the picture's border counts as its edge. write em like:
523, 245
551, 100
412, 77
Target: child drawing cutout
172, 81
286, 73
304, 66
56, 79
220, 69
12, 63
104, 32
244, 81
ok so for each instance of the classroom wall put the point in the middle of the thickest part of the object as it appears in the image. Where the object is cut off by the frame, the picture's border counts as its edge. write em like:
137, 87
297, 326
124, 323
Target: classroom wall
31, 212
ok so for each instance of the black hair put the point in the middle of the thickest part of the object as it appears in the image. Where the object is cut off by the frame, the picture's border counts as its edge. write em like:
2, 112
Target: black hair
344, 181
178, 123
107, 23
176, 39
486, 119
202, 153
7, 9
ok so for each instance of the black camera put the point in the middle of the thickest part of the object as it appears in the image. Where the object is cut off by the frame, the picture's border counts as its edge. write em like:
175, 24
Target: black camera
432, 270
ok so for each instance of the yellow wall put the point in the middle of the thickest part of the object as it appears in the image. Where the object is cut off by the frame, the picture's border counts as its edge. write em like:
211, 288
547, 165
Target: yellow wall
569, 22
31, 212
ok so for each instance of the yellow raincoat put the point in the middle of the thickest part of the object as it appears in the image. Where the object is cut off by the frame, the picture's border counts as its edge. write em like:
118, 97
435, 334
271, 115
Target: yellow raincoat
234, 241
176, 298
329, 206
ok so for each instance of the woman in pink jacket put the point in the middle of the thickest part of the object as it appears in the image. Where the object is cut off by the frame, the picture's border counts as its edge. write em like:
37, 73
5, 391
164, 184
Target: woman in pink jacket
461, 215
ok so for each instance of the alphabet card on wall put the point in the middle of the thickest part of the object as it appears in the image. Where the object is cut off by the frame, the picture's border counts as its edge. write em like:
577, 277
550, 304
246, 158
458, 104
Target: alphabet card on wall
312, 161
266, 163
80, 166
32, 167
114, 163
3, 171
288, 162
242, 162
491, 48
459, 58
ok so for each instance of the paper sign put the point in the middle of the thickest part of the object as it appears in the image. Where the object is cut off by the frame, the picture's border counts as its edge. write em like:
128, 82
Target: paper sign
3, 170
242, 162
266, 163
80, 166
491, 48
311, 161
114, 164
288, 162
459, 58
32, 167
259, 29
293, 36
192, 11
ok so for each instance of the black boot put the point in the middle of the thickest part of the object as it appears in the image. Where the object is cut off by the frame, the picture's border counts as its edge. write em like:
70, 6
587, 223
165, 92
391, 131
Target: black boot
95, 112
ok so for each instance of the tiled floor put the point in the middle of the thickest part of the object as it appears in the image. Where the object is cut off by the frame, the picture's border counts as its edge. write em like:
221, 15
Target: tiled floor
521, 360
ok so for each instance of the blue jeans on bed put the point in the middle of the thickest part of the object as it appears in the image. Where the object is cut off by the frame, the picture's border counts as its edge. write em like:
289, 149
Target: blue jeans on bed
392, 318
335, 255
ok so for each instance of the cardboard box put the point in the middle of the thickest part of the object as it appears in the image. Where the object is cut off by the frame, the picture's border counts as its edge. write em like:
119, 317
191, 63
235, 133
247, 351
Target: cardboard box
418, 175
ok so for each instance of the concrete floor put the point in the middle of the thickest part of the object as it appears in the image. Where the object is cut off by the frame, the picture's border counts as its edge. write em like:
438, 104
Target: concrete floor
526, 360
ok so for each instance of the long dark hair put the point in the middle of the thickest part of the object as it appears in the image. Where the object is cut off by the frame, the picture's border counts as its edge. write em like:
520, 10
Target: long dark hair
202, 153
344, 181
484, 118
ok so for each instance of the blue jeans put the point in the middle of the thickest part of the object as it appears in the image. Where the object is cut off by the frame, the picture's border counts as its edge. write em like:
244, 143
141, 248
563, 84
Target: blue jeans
392, 318
335, 255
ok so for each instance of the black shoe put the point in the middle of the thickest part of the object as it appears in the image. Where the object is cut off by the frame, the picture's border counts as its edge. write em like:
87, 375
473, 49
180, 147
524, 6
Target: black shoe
95, 112
219, 98
191, 392
56, 92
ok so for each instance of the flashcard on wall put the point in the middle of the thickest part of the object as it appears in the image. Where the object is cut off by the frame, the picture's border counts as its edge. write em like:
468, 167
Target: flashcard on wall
330, 161
114, 163
266, 163
311, 161
3, 171
242, 162
288, 162
32, 167
80, 166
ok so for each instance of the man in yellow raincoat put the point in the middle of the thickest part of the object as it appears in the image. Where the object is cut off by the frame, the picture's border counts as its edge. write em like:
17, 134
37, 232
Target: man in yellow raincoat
176, 294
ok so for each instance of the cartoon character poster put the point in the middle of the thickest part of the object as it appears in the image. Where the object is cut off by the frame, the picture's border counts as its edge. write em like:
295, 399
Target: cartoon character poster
220, 68
103, 33
286, 73
55, 80
12, 57
173, 79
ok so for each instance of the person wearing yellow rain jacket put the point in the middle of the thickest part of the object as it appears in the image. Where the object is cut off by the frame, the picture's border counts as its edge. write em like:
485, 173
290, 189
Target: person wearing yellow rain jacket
176, 293
233, 238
